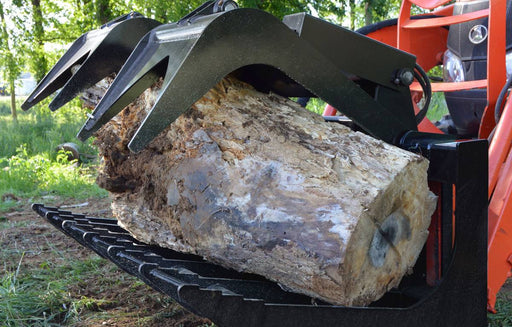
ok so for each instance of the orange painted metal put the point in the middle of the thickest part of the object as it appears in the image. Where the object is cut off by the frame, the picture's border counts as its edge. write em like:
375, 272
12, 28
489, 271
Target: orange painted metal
500, 147
500, 205
386, 35
415, 40
452, 86
500, 233
500, 155
496, 71
329, 110
445, 21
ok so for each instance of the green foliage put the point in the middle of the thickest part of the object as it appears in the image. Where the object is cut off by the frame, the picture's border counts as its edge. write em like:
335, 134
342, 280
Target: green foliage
30, 165
438, 107
36, 175
316, 105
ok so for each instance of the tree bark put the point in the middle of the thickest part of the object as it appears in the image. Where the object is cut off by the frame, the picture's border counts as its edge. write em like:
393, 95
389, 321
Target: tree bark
12, 89
39, 61
368, 12
254, 182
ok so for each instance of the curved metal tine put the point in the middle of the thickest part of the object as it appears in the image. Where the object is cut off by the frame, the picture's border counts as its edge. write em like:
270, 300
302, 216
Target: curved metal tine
61, 72
107, 58
83, 50
158, 54
229, 43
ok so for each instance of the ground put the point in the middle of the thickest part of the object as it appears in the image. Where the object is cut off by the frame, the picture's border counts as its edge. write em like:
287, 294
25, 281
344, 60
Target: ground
114, 297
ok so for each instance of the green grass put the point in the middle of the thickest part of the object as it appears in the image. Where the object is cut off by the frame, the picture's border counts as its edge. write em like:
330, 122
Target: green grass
30, 165
41, 130
503, 316
40, 297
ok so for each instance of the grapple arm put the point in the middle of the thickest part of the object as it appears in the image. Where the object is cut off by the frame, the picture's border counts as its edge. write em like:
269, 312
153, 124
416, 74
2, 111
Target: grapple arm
193, 57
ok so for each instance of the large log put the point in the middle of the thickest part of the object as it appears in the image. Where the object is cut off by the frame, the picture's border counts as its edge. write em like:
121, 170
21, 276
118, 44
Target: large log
254, 182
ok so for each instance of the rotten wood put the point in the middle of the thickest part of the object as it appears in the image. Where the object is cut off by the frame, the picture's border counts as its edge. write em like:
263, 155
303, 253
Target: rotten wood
256, 183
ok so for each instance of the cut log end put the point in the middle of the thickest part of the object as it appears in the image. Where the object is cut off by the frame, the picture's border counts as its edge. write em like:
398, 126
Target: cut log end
254, 182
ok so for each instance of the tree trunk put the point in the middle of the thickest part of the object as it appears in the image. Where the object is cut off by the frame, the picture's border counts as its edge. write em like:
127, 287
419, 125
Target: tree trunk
368, 13
39, 61
254, 182
12, 89
103, 11
352, 6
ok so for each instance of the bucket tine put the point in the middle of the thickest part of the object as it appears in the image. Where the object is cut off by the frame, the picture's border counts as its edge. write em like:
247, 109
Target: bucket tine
99, 53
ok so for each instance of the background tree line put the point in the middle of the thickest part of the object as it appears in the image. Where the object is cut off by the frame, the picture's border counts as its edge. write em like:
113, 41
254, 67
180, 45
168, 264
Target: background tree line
34, 32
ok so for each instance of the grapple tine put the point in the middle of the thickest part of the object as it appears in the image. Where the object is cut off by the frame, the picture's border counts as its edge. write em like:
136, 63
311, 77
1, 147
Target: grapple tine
143, 68
61, 72
228, 42
150, 60
99, 53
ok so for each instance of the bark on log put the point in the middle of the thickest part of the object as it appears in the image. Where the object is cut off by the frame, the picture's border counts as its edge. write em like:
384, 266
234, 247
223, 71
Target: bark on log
254, 182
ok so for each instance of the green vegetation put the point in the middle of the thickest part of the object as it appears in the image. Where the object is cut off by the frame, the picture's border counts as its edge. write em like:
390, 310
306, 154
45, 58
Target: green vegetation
437, 108
503, 316
39, 297
30, 165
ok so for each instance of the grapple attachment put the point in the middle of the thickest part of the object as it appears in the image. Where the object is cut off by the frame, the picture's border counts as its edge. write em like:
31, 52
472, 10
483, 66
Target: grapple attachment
285, 58
99, 53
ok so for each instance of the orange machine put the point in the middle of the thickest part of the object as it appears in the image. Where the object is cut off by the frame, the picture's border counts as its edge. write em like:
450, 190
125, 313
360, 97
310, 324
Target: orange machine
412, 34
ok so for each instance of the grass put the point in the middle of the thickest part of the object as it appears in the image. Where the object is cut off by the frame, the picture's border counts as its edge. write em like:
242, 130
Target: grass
503, 317
40, 296
30, 165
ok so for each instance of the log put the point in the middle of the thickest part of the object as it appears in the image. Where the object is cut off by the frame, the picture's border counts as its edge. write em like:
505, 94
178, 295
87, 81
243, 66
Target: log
256, 183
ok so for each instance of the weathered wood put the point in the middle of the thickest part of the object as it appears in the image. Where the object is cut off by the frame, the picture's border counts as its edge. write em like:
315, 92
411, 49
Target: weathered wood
256, 183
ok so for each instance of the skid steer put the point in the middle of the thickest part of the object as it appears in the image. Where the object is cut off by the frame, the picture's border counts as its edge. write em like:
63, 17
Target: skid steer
375, 78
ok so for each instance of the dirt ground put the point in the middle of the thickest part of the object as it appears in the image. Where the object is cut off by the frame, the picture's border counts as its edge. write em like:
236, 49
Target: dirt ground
124, 300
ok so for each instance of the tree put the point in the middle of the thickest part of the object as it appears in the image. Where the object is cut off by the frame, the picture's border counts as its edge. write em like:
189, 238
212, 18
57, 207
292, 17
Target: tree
38, 62
9, 61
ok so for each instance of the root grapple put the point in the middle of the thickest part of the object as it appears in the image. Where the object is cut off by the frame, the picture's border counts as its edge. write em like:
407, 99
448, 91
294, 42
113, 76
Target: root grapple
371, 83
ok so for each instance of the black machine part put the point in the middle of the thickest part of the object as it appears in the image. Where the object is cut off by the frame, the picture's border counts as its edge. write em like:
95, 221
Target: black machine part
230, 298
92, 57
466, 107
459, 36
301, 56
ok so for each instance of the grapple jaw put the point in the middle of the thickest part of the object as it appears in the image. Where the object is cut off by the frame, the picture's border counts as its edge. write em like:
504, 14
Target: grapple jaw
94, 55
192, 57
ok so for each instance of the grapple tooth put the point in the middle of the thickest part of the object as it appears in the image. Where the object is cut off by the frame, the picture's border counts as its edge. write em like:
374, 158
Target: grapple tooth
158, 54
99, 53
143, 68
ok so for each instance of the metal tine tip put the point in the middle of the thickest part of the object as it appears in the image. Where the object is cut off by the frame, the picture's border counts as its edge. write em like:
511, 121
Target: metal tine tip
142, 69
159, 54
97, 54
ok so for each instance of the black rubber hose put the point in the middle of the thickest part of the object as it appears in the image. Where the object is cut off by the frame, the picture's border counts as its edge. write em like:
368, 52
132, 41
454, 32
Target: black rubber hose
424, 81
499, 102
